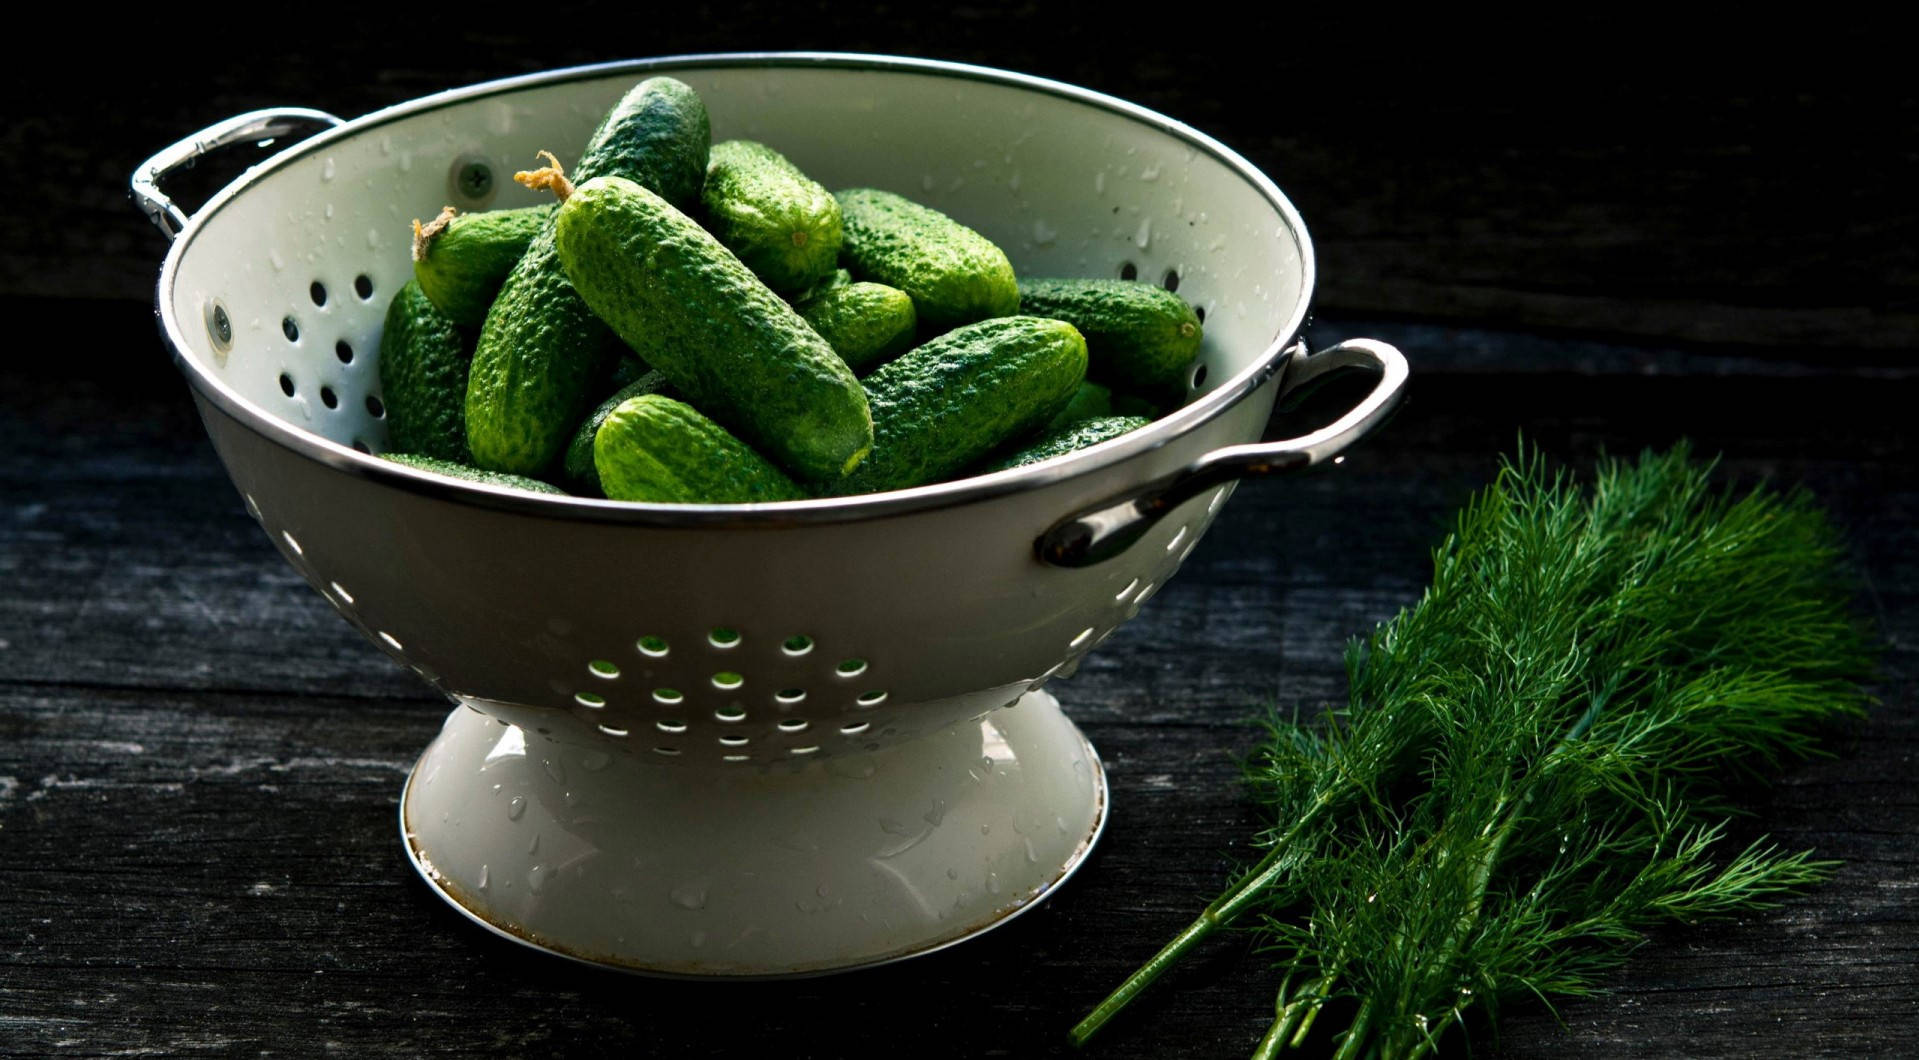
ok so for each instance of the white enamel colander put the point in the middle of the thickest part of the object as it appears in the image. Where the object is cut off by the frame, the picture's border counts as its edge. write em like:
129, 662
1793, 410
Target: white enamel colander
743, 740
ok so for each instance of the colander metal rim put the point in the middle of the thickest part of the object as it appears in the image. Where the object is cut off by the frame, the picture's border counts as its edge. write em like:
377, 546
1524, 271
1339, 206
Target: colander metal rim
768, 515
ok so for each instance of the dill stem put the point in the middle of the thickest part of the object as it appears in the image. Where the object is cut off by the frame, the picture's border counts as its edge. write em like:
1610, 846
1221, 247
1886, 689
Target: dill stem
1221, 912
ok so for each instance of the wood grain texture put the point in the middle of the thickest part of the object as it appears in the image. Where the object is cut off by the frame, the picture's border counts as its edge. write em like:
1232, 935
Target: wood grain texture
199, 762
1718, 183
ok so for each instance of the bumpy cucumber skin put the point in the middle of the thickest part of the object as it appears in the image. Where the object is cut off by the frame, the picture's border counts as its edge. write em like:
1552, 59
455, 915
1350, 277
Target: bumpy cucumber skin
738, 351
939, 408
541, 348
652, 448
1090, 401
576, 465
1138, 334
461, 266
783, 226
836, 278
865, 323
423, 367
1073, 436
955, 275
472, 474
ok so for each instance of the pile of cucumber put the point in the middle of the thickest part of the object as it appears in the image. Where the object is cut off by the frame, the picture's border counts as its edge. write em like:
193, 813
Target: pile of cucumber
700, 323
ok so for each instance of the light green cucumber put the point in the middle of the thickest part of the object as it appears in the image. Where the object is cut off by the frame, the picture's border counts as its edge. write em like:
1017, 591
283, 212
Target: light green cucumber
944, 405
1090, 401
652, 448
542, 351
1073, 436
1138, 335
576, 464
783, 226
461, 259
954, 274
458, 470
733, 347
865, 323
423, 367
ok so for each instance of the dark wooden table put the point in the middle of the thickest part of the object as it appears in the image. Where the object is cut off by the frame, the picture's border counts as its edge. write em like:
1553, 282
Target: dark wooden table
199, 761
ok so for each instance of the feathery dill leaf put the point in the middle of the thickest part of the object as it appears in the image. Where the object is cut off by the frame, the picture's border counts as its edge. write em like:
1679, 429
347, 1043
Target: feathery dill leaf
1534, 762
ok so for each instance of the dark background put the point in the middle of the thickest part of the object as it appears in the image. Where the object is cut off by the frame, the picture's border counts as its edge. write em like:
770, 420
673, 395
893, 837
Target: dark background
1606, 233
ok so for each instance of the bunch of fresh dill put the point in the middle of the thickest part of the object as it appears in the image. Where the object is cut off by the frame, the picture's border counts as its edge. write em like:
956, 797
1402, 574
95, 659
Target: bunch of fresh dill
1534, 762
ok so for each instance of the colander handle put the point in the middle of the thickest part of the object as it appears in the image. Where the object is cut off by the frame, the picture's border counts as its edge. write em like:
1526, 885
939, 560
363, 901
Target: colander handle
252, 127
1102, 532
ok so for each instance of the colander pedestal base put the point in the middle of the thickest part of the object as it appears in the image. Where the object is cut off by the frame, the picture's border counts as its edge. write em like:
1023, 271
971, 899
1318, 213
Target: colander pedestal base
572, 844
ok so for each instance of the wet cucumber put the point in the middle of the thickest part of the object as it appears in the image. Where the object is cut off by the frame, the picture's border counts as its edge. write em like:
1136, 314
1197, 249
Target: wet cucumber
461, 259
836, 278
865, 323
1065, 440
948, 403
576, 465
1090, 401
541, 349
423, 367
954, 274
652, 448
471, 474
693, 311
1137, 334
783, 226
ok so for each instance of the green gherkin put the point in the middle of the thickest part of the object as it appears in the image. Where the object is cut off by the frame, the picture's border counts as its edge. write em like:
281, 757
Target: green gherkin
783, 226
865, 323
461, 259
423, 368
1069, 438
652, 448
1138, 335
954, 275
455, 469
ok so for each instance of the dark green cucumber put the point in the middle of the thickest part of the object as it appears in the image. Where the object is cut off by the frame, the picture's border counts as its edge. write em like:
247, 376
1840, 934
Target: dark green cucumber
652, 448
955, 275
423, 367
865, 323
461, 259
948, 403
785, 227
1073, 436
471, 474
576, 465
1090, 401
1137, 334
542, 350
732, 346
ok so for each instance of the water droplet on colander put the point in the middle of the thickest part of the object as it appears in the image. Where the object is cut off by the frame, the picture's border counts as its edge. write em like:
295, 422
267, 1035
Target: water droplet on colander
699, 939
483, 877
992, 883
986, 829
1044, 234
516, 808
689, 895
326, 169
892, 827
952, 874
926, 182
554, 770
569, 797
1145, 234
373, 238
278, 261
594, 761
1032, 856
534, 846
1061, 822
986, 763
327, 211
1099, 183
937, 814
536, 879
1012, 182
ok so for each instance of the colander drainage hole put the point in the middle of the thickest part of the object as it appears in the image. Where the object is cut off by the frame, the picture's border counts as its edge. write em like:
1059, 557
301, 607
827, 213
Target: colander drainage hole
735, 741
856, 728
329, 398
362, 447
852, 668
1128, 591
793, 725
363, 286
1084, 636
344, 351
670, 726
668, 696
1178, 536
730, 715
1200, 312
611, 731
667, 751
654, 647
736, 758
803, 750
292, 544
375, 408
290, 328
1129, 271
317, 292
588, 699
391, 639
798, 644
790, 696
1171, 282
727, 680
1199, 376
286, 384
340, 591
603, 668
871, 699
